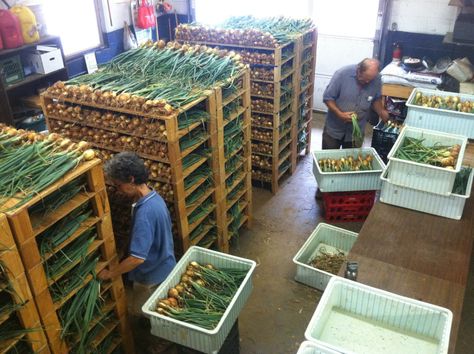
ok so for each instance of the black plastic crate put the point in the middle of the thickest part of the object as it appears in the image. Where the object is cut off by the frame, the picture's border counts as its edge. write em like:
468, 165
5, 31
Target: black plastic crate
383, 141
396, 107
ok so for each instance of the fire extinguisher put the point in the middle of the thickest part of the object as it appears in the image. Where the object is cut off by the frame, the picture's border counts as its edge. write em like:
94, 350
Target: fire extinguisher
397, 52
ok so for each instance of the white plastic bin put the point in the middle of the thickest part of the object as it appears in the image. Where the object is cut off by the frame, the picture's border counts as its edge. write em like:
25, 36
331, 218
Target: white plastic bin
332, 238
193, 336
308, 347
450, 206
420, 176
356, 318
442, 120
347, 181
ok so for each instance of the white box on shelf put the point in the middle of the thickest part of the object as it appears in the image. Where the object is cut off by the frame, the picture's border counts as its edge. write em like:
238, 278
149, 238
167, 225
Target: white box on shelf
443, 120
356, 318
46, 59
193, 336
330, 237
450, 206
422, 176
351, 180
308, 347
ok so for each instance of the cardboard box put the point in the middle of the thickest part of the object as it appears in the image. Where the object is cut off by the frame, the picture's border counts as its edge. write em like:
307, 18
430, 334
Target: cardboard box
466, 87
46, 59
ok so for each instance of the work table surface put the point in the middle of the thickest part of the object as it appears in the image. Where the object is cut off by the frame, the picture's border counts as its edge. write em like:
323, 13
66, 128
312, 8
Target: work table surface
418, 255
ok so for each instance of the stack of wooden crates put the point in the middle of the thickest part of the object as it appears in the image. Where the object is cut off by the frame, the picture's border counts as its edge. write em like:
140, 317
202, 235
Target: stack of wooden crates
202, 169
281, 103
29, 258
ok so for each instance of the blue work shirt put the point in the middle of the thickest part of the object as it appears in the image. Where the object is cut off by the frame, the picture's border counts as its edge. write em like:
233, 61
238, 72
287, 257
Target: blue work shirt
151, 240
349, 97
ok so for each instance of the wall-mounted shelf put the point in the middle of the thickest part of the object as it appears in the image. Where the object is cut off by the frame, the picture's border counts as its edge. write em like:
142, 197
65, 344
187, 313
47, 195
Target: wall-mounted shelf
448, 39
11, 95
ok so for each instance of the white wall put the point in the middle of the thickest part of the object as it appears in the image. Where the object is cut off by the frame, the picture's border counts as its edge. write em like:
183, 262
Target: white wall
119, 12
423, 16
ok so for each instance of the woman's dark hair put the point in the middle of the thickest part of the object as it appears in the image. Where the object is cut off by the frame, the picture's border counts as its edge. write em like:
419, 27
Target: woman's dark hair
125, 165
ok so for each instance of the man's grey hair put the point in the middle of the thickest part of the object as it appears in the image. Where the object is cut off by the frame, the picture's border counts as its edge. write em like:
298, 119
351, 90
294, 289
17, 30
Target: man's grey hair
367, 63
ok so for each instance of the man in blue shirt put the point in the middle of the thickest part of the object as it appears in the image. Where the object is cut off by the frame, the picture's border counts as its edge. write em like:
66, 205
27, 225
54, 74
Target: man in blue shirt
151, 257
352, 89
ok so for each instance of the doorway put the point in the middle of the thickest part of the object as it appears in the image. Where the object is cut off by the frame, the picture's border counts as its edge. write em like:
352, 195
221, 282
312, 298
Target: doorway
347, 32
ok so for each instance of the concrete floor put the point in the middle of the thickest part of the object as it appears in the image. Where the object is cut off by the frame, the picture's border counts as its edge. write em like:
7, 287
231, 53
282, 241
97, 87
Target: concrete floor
276, 315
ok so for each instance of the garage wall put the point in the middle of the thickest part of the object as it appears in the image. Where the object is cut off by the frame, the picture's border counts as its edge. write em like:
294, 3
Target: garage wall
423, 16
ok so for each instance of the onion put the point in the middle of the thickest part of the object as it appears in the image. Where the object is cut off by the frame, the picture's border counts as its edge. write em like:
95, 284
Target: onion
88, 155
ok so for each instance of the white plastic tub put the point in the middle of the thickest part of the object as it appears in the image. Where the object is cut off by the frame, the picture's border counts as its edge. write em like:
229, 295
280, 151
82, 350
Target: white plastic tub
330, 237
450, 206
440, 119
189, 335
356, 318
420, 176
347, 181
308, 347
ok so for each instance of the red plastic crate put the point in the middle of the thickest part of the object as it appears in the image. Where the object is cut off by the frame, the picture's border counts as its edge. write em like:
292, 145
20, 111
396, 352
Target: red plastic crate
348, 206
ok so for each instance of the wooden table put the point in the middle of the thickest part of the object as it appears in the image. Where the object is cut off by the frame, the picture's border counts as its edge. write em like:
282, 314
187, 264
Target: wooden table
418, 255
398, 91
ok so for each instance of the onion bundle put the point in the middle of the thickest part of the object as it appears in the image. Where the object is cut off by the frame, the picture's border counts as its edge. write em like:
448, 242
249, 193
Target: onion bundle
247, 30
261, 89
254, 58
261, 175
262, 134
156, 78
262, 148
452, 103
262, 162
165, 190
262, 105
347, 164
158, 170
263, 121
101, 137
44, 159
413, 149
202, 296
261, 74
140, 126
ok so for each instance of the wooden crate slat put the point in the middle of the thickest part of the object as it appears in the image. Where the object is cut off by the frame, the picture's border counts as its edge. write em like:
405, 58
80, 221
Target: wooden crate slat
79, 170
27, 314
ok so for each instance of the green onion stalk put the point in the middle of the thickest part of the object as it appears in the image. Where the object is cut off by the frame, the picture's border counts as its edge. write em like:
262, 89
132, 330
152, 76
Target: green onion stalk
201, 211
61, 231
75, 277
11, 329
78, 314
208, 239
357, 136
64, 258
53, 201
